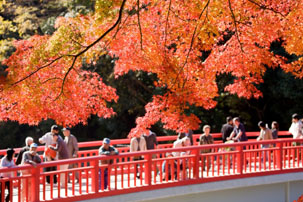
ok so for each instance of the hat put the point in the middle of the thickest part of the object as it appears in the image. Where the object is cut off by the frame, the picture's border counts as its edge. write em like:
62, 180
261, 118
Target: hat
54, 127
33, 145
106, 141
67, 128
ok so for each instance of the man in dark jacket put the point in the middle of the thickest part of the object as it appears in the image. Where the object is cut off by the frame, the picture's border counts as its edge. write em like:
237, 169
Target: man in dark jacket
108, 150
227, 128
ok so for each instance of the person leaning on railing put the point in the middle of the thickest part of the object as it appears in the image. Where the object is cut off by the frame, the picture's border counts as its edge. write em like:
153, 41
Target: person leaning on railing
61, 149
47, 139
239, 133
29, 158
108, 150
7, 162
206, 138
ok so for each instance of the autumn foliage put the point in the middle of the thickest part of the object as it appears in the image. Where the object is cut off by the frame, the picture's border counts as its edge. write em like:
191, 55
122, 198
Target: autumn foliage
167, 38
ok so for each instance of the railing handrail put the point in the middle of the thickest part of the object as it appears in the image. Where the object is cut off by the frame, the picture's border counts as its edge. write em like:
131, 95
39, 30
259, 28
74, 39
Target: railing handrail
236, 164
154, 151
98, 143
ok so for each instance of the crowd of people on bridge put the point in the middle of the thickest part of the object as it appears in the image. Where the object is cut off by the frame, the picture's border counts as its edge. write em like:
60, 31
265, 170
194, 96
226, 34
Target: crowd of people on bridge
57, 148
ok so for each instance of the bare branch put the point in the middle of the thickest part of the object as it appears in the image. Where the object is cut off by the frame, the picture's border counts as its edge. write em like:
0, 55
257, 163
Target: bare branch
90, 46
166, 27
194, 34
50, 79
38, 69
266, 8
235, 24
73, 40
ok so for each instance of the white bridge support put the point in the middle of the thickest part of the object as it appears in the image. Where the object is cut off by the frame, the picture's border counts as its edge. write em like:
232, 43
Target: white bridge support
274, 188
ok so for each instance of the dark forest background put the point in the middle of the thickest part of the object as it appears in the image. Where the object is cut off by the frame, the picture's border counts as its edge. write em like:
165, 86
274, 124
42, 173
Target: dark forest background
21, 19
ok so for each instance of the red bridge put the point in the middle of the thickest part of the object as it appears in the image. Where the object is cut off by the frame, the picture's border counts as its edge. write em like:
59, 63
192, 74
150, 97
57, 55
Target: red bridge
225, 162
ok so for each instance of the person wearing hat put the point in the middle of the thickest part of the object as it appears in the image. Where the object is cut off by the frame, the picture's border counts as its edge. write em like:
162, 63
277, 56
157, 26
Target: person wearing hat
106, 149
47, 139
72, 148
7, 162
29, 158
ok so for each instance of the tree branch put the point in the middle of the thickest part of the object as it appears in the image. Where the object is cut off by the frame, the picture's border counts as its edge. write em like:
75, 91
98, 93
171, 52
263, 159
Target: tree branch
266, 8
235, 24
166, 27
90, 46
38, 69
139, 24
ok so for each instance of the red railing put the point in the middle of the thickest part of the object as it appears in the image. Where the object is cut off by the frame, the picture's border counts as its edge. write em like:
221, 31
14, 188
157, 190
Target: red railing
91, 148
157, 170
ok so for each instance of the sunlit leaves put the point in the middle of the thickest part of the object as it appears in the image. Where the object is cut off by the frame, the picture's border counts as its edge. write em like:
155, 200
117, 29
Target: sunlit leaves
166, 38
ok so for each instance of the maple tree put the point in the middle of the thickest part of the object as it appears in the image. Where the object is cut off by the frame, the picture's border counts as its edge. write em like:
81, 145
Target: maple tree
45, 78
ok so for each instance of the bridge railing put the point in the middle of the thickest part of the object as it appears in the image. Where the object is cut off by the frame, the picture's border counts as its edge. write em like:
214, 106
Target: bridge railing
156, 169
91, 148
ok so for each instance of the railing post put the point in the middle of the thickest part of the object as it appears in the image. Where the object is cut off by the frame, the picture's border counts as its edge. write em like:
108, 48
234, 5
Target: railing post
148, 169
95, 176
240, 159
280, 156
196, 163
35, 188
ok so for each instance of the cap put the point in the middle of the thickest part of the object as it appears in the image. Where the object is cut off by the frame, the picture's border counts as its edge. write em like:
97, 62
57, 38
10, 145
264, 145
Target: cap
106, 141
54, 127
67, 128
33, 145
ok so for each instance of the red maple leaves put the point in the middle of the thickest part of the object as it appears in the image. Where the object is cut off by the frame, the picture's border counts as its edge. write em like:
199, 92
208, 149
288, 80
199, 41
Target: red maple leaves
162, 37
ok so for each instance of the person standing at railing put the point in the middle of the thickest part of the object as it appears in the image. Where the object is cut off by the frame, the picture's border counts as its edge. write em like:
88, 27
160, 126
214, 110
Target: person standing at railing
47, 139
274, 129
28, 142
151, 141
265, 134
227, 128
62, 152
108, 150
7, 162
296, 128
32, 158
137, 144
238, 134
72, 148
206, 138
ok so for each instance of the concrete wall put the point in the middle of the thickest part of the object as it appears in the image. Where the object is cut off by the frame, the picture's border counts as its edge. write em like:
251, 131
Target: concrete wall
275, 188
